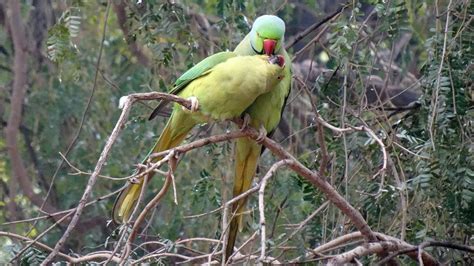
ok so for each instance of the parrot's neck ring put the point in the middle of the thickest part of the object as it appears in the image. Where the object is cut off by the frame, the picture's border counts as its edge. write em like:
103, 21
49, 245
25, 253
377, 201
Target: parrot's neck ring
253, 48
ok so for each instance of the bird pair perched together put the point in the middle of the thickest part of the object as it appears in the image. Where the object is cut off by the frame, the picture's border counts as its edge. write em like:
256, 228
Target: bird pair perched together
252, 80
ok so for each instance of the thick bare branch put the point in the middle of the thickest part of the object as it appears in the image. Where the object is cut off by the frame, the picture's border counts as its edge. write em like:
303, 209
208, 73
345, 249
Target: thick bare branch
20, 79
119, 7
364, 250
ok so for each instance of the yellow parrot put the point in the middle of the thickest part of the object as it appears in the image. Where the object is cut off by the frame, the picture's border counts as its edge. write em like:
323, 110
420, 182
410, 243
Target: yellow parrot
220, 87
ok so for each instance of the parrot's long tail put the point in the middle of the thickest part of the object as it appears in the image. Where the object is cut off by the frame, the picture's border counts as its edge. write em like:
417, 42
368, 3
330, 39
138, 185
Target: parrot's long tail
173, 134
247, 153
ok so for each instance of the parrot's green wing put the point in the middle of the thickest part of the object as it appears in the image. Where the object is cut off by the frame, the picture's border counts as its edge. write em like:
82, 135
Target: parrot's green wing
200, 69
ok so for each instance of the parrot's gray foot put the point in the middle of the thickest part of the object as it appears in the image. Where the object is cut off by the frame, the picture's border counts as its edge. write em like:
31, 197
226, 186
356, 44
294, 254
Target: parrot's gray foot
134, 180
246, 122
194, 104
262, 133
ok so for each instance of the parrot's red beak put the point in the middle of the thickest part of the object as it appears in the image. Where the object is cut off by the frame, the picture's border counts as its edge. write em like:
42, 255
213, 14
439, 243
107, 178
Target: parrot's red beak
269, 46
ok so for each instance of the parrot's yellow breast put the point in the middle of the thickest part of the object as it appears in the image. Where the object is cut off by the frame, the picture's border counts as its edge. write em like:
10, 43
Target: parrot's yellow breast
231, 87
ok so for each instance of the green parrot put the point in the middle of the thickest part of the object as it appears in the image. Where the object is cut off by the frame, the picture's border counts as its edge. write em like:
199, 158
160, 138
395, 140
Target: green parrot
220, 87
265, 37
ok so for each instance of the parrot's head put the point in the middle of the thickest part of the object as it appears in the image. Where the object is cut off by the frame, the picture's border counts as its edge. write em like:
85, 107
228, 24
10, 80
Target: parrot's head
266, 36
275, 71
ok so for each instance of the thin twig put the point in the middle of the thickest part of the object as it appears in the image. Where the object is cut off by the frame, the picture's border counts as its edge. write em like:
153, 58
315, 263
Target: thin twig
75, 219
434, 100
83, 117
428, 244
322, 144
128, 101
65, 212
252, 237
314, 178
315, 26
403, 201
261, 204
302, 224
315, 39
37, 238
80, 172
348, 129
82, 259
151, 205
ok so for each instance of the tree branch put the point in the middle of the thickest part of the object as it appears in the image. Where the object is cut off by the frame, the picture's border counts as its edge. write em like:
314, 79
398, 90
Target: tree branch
434, 97
20, 78
127, 104
119, 8
85, 258
315, 26
261, 205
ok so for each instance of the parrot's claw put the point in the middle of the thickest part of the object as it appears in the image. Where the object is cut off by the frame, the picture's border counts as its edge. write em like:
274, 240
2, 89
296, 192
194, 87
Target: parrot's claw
134, 180
246, 122
194, 104
262, 133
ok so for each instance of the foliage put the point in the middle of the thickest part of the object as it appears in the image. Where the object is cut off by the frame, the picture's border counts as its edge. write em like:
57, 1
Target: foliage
431, 168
